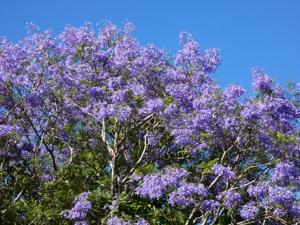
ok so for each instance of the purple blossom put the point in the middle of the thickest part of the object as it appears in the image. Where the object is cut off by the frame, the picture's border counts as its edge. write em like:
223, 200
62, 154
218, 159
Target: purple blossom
124, 112
294, 210
249, 211
284, 173
231, 198
234, 91
6, 130
154, 105
101, 56
280, 108
115, 83
153, 139
117, 221
171, 110
108, 34
96, 92
137, 89
35, 99
243, 182
155, 185
119, 96
199, 148
151, 187
135, 177
210, 205
186, 194
80, 209
230, 123
261, 82
185, 37
281, 195
125, 51
260, 190
189, 55
22, 80
203, 119
141, 221
253, 111
175, 76
183, 136
279, 212
73, 37
81, 223
180, 92
211, 60
172, 176
225, 172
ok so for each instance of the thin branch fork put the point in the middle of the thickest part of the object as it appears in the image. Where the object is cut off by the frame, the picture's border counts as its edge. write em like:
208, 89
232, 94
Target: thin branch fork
138, 161
43, 141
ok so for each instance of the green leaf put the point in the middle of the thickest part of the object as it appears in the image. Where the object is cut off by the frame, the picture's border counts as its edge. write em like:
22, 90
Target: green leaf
206, 166
169, 100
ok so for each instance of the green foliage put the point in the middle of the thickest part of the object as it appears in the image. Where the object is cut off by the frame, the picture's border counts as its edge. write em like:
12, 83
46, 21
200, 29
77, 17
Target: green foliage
207, 166
169, 100
280, 137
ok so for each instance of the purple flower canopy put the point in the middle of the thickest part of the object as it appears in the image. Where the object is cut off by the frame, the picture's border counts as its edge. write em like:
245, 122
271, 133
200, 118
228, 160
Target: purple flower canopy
170, 137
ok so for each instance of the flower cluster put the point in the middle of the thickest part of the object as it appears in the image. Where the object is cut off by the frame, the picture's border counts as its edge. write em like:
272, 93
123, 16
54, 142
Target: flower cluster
249, 211
262, 82
281, 196
80, 209
285, 173
155, 185
118, 221
209, 205
234, 91
231, 198
271, 196
225, 172
186, 194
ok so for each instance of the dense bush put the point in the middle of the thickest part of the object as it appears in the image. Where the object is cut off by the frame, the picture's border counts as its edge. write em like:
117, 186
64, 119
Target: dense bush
97, 129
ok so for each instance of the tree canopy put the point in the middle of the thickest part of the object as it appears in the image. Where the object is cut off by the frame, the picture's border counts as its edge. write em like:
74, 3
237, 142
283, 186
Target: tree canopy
96, 128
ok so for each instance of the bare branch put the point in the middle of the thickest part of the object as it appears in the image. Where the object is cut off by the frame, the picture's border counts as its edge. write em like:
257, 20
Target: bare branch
138, 161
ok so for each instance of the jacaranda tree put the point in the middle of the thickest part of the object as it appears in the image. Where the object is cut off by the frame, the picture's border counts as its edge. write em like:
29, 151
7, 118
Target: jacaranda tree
97, 129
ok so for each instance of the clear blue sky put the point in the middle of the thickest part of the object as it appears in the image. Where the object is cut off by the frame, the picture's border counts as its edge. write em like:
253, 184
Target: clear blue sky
263, 33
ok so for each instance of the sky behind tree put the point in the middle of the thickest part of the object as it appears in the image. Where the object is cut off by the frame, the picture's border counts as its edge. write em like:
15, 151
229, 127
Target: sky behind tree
249, 33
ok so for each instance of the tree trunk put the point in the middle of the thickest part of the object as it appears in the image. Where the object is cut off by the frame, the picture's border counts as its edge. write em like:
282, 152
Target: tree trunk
114, 184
